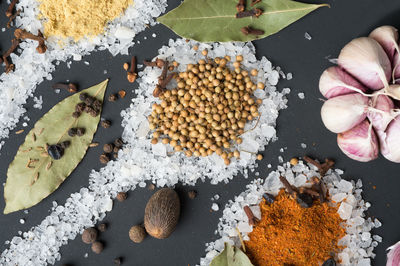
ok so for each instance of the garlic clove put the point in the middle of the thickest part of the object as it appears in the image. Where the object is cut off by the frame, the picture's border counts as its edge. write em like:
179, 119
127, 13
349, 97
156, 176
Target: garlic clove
336, 81
393, 91
390, 142
381, 113
342, 113
387, 37
366, 60
359, 143
393, 256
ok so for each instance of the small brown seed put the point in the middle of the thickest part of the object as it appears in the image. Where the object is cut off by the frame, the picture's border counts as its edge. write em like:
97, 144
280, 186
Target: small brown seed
125, 66
97, 247
259, 157
294, 161
89, 235
104, 158
118, 143
137, 233
117, 261
108, 148
19, 132
112, 97
105, 123
121, 94
192, 194
122, 196
102, 227
151, 187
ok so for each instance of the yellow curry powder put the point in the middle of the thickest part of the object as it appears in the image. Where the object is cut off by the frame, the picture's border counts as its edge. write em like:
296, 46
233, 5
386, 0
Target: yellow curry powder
79, 18
289, 234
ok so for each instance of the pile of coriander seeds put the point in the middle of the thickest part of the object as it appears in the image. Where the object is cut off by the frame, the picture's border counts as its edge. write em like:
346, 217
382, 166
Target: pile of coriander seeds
208, 110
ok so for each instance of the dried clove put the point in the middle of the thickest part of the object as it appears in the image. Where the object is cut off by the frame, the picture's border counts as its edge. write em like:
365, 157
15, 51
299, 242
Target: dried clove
164, 82
255, 12
158, 90
253, 2
322, 168
9, 66
10, 8
252, 219
23, 34
11, 19
70, 87
131, 75
288, 186
158, 63
241, 6
248, 30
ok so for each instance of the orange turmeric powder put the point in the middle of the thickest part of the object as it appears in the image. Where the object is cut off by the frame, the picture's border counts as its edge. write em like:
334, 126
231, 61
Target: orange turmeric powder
289, 234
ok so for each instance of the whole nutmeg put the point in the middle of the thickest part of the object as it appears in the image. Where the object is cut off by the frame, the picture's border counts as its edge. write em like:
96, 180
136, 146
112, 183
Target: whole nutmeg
89, 235
137, 233
162, 213
97, 247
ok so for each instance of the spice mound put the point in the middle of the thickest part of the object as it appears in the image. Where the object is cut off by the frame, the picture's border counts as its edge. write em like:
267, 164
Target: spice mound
208, 110
79, 18
289, 234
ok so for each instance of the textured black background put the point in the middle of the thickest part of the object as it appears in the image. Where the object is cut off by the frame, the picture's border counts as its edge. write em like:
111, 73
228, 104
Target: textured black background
330, 29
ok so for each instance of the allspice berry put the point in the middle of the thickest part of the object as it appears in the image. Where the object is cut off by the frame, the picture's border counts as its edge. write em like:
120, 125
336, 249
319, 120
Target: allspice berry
89, 235
121, 196
97, 247
137, 233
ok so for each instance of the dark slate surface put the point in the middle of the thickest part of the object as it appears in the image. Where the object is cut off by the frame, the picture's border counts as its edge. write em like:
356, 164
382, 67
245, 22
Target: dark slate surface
300, 123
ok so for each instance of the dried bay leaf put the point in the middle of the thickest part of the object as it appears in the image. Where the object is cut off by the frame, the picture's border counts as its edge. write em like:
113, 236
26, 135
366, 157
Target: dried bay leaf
27, 184
215, 21
231, 256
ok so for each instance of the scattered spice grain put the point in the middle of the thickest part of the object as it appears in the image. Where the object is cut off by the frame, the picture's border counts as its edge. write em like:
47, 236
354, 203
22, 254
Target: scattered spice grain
122, 94
112, 97
137, 233
104, 158
192, 194
102, 227
89, 235
19, 132
97, 247
122, 196
105, 123
108, 148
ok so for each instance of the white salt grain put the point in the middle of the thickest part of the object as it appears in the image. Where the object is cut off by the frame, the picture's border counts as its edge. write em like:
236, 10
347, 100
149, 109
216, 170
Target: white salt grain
301, 95
21, 221
303, 145
215, 207
307, 36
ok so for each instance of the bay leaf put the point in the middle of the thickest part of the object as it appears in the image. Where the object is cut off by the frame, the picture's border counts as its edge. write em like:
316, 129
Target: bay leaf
231, 256
27, 186
215, 21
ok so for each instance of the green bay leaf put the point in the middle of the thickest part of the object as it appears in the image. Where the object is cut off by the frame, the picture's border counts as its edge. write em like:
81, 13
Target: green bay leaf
231, 256
25, 187
215, 21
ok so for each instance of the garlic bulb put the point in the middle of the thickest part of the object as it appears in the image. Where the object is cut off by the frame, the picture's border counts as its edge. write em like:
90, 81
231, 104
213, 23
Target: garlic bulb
390, 141
335, 81
366, 60
381, 113
393, 256
342, 113
359, 143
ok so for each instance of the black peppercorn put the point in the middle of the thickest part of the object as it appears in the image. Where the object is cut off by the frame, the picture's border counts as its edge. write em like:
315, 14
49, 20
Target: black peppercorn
121, 196
65, 144
112, 97
117, 261
80, 131
329, 262
72, 132
83, 96
93, 113
89, 100
104, 158
55, 151
88, 109
97, 104
192, 194
76, 114
108, 148
97, 247
118, 143
102, 227
305, 200
105, 124
89, 235
80, 107
269, 198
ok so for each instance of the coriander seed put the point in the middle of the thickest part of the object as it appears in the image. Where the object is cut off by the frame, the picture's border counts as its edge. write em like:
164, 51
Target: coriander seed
89, 235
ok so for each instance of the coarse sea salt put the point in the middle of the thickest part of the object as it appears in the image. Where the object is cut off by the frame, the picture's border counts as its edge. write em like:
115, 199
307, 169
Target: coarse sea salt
140, 161
358, 241
31, 68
